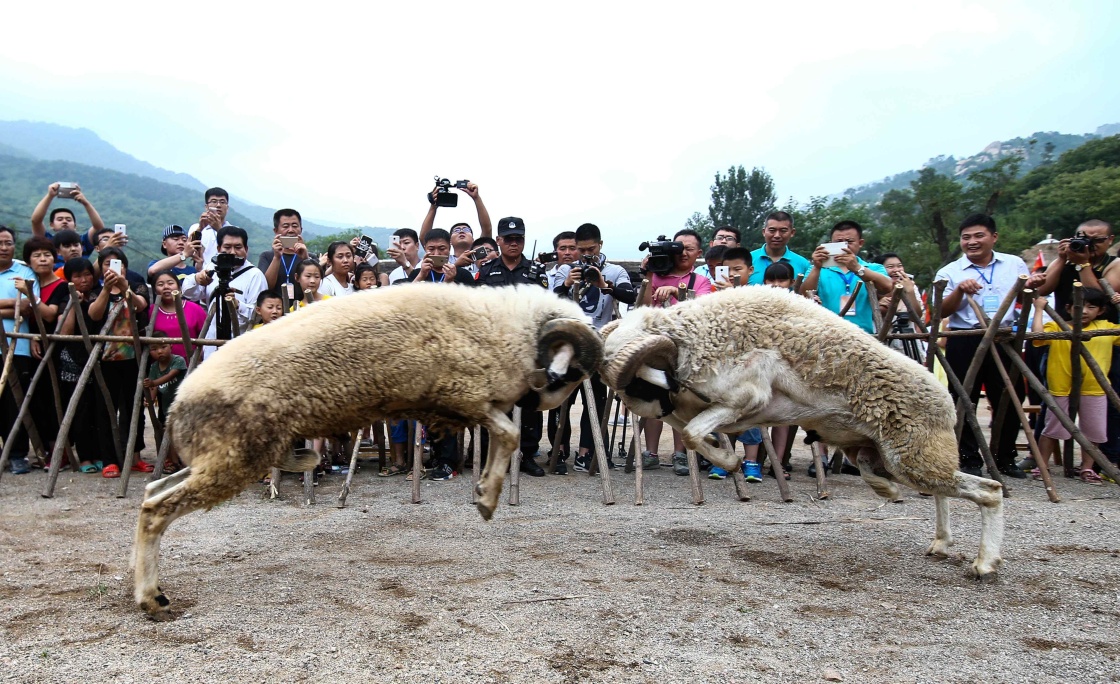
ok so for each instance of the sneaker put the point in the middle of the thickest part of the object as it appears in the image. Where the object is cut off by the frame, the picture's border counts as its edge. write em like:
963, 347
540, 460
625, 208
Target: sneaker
970, 468
561, 468
442, 473
1013, 471
530, 468
1027, 463
19, 466
716, 473
582, 463
650, 460
680, 463
752, 472
704, 463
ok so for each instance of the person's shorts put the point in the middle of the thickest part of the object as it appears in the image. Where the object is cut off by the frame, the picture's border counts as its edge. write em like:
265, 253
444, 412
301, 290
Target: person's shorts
750, 437
398, 431
1092, 418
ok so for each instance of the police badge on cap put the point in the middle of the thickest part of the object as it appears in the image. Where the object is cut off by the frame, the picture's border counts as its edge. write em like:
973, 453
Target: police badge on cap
511, 225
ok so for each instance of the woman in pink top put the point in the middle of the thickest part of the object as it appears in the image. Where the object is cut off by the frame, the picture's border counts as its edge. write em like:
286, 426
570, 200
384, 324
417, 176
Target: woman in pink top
166, 318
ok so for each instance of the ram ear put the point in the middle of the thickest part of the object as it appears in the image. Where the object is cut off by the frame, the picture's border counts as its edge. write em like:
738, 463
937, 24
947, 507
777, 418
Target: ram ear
586, 345
655, 351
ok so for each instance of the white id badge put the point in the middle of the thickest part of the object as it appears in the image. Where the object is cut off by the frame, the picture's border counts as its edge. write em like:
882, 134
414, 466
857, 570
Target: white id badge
991, 304
844, 302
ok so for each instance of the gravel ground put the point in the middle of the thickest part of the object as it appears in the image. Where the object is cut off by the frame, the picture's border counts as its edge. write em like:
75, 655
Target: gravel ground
560, 588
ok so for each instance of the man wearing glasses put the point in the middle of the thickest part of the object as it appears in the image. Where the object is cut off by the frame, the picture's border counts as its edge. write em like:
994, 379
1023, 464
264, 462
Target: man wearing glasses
726, 237
212, 220
776, 234
462, 236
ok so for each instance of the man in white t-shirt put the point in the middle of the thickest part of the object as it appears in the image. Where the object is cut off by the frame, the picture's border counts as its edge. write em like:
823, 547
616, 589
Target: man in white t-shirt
212, 220
405, 250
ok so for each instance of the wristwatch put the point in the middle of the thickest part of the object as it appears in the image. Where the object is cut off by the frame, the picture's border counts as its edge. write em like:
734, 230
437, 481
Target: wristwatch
861, 271
1078, 267
182, 257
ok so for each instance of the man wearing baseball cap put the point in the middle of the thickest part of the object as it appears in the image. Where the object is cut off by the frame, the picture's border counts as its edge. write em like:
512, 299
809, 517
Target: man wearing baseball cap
183, 257
514, 269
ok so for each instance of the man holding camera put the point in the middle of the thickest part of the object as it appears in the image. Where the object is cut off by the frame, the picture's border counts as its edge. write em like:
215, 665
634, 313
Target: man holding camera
596, 286
564, 253
461, 233
834, 276
1084, 258
183, 257
437, 266
63, 218
212, 220
279, 263
512, 268
232, 279
404, 248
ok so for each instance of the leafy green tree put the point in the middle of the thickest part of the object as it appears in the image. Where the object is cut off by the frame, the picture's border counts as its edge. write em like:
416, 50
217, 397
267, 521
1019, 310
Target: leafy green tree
814, 219
926, 211
988, 186
740, 199
701, 224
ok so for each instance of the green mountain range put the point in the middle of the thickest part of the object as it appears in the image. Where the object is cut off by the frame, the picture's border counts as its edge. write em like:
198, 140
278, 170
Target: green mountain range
1035, 150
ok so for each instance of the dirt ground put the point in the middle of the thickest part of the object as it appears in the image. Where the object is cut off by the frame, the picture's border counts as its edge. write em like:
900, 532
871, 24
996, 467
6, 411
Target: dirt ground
560, 588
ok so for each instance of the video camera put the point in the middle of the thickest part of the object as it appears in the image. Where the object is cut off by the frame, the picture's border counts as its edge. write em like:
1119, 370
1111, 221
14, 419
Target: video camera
224, 266
443, 197
662, 254
591, 268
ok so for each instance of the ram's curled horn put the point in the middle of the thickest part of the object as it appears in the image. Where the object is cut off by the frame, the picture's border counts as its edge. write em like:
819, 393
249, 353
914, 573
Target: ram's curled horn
586, 343
657, 351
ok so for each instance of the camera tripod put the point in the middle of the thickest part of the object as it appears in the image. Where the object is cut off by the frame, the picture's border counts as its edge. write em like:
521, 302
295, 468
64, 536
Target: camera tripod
909, 347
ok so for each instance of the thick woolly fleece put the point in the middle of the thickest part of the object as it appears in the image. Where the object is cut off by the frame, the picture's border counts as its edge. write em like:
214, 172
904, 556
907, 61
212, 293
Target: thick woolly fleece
437, 353
889, 399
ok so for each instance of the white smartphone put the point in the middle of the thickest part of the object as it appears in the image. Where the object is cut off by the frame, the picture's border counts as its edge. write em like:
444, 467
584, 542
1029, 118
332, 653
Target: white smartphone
723, 273
116, 265
120, 228
396, 241
833, 248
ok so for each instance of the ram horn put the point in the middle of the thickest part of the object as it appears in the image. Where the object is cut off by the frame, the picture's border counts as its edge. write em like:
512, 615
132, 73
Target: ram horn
657, 351
586, 343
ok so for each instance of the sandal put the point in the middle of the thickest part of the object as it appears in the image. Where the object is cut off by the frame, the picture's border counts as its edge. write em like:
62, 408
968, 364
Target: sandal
141, 466
111, 471
1089, 476
89, 468
393, 470
1036, 474
423, 475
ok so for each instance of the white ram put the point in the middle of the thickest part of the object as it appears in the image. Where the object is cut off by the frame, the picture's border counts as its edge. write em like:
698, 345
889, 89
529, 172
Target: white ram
758, 356
448, 356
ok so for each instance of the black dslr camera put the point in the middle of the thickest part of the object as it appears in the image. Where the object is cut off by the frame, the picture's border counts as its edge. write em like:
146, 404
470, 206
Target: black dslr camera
661, 254
443, 197
1079, 243
590, 269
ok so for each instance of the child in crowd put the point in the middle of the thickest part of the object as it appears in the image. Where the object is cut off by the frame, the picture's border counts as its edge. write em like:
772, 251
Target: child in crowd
366, 277
269, 307
166, 317
778, 274
308, 275
738, 262
167, 370
712, 258
1093, 411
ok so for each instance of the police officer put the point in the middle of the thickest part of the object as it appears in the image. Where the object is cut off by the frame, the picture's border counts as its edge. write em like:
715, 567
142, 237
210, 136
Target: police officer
514, 269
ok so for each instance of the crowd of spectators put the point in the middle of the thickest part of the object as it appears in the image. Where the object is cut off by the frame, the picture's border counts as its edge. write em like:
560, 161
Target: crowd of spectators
207, 268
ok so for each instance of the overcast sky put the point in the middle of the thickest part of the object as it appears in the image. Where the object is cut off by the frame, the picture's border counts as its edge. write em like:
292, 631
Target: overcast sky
613, 113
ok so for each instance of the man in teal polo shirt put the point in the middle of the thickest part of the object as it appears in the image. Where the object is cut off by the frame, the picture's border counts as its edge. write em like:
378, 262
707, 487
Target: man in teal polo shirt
835, 284
776, 234
11, 273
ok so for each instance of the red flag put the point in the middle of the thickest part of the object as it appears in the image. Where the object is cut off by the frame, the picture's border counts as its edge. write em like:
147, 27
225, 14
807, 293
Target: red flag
1039, 262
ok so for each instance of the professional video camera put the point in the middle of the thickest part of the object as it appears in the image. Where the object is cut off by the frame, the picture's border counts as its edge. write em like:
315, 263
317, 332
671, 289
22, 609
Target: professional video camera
661, 254
443, 197
224, 266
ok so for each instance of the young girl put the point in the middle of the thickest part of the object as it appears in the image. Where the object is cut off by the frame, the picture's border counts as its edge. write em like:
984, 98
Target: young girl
366, 277
340, 260
164, 375
1092, 416
71, 359
165, 285
308, 275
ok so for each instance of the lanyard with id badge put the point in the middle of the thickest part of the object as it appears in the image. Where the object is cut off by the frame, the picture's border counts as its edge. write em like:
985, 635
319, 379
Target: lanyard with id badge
849, 278
990, 300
